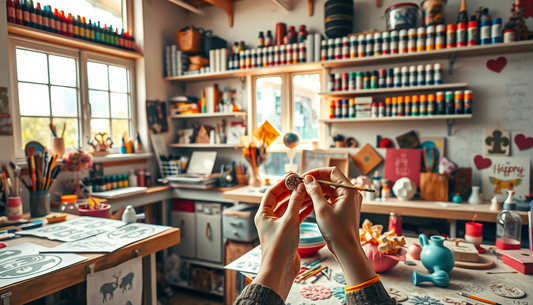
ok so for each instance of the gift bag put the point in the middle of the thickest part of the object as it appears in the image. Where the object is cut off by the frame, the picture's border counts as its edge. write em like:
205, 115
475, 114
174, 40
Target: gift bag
433, 186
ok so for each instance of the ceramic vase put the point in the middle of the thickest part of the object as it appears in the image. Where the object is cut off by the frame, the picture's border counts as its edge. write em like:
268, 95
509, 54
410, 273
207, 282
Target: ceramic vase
255, 177
437, 259
404, 189
475, 197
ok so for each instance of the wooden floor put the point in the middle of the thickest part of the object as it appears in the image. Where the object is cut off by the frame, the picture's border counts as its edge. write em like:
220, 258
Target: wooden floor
192, 298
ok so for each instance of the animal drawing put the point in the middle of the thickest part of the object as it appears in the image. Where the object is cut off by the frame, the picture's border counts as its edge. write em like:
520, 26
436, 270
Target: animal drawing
504, 184
126, 281
109, 288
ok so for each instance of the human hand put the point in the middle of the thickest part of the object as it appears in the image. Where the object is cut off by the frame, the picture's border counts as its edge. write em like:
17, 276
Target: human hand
278, 224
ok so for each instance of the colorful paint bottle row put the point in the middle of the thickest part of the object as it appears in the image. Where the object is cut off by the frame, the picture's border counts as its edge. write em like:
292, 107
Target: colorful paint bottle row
421, 75
268, 56
348, 108
46, 18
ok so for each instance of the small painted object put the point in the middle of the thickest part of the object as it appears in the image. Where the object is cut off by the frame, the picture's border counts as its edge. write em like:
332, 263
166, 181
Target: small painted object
129, 215
292, 181
506, 291
397, 294
315, 292
402, 16
380, 261
291, 139
339, 293
339, 278
404, 188
437, 259
495, 205
457, 198
475, 197
414, 250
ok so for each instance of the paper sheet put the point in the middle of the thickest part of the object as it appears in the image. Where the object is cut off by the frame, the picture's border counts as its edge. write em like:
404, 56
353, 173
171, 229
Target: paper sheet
249, 262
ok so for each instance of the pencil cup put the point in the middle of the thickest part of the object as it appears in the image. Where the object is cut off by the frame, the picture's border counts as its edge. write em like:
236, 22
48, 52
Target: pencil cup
39, 203
14, 208
339, 144
255, 177
58, 146
241, 179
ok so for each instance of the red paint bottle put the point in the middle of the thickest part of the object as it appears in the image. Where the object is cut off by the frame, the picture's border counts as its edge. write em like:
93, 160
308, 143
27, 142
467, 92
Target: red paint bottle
57, 22
39, 17
63, 23
10, 6
70, 26
18, 11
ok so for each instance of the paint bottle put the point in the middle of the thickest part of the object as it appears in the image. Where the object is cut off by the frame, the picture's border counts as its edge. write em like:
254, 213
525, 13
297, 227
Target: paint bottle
449, 104
421, 39
268, 39
351, 110
277, 55
374, 110
248, 60
361, 46
11, 15
338, 48
382, 78
331, 82
374, 80
509, 35
351, 81
282, 54
459, 102
450, 36
388, 107
430, 38
440, 40
18, 12
338, 109
394, 42
366, 80
242, 63
359, 80
46, 21
385, 44
338, 82
298, 51
394, 107
332, 109
403, 42
415, 105
429, 75
377, 44
411, 42
369, 50
400, 106
397, 78
344, 81
253, 58
485, 36
331, 49
413, 77
26, 13
345, 110
408, 105
461, 35
405, 77
440, 103
390, 78
381, 109
468, 98
421, 75
39, 16
323, 50
496, 30
353, 47
432, 105
438, 74
472, 33
423, 105
270, 58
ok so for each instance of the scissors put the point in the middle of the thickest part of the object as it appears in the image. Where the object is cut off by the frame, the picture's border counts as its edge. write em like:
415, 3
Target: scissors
450, 301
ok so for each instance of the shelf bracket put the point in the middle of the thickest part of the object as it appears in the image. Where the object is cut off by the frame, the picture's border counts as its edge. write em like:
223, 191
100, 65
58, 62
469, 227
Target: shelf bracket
243, 82
451, 61
449, 123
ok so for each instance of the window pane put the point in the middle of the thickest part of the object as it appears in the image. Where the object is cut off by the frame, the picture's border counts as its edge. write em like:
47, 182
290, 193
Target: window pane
118, 79
99, 104
306, 105
64, 101
35, 129
99, 125
32, 66
268, 100
275, 163
62, 71
97, 75
119, 105
34, 99
107, 12
71, 132
119, 127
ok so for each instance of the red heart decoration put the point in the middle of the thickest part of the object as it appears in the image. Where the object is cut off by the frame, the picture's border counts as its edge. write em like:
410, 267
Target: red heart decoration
522, 142
497, 65
481, 162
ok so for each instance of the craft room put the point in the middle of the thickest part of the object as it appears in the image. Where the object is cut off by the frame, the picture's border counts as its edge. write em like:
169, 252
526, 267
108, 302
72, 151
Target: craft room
253, 152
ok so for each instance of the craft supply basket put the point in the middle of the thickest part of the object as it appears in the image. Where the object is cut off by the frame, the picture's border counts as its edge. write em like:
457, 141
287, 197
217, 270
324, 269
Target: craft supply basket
169, 168
189, 39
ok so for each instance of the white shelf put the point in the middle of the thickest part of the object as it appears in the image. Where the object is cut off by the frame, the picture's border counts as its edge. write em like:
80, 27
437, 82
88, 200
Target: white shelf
208, 115
201, 145
401, 118
186, 286
365, 92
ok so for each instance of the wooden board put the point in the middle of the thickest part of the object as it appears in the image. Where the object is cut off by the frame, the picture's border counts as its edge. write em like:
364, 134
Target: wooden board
483, 262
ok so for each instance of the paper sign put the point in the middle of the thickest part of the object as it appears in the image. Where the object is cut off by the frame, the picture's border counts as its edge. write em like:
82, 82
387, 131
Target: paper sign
267, 133
366, 159
116, 286
401, 163
506, 174
249, 262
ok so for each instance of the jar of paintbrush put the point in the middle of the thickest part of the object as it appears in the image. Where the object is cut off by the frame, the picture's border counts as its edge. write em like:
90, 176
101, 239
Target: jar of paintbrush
58, 143
42, 171
11, 192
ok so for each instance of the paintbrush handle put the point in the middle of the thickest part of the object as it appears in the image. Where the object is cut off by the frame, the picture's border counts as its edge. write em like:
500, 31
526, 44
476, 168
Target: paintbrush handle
359, 188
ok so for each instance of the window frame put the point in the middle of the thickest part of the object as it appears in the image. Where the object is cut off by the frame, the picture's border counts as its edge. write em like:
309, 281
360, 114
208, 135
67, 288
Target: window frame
84, 115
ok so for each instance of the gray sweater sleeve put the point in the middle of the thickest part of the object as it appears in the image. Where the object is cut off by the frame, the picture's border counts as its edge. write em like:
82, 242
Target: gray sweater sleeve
255, 294
373, 294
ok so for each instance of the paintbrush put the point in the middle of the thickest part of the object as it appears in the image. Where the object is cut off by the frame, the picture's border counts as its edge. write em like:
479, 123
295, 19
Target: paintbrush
359, 188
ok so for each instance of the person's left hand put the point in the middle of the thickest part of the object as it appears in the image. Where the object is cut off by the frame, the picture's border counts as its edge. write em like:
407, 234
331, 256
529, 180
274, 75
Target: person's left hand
278, 225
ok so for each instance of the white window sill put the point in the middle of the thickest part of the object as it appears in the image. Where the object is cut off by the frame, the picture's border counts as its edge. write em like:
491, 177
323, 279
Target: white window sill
104, 159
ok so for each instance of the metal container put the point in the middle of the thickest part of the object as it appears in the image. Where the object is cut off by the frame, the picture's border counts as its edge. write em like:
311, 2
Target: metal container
402, 16
433, 12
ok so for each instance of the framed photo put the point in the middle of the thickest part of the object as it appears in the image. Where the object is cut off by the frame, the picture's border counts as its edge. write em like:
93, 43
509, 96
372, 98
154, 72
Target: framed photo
312, 159
156, 112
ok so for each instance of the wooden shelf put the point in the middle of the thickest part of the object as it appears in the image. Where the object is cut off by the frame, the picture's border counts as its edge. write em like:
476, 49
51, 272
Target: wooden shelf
28, 32
401, 118
201, 145
391, 90
208, 115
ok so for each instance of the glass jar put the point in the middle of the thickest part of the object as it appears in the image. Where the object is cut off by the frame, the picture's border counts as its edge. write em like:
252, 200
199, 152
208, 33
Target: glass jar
69, 204
508, 226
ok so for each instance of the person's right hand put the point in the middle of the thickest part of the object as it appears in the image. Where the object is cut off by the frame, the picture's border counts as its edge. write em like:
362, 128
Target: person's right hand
338, 221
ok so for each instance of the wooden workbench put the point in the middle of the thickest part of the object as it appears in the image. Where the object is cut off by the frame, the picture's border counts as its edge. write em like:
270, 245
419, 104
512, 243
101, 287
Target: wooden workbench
38, 287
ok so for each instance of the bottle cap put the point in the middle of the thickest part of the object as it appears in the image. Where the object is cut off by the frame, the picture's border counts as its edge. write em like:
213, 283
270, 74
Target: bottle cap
361, 38
381, 104
441, 28
369, 36
412, 32
382, 72
420, 68
385, 34
338, 40
375, 73
337, 75
345, 75
331, 41
440, 93
405, 69
468, 92
400, 99
403, 32
377, 35
394, 100
429, 67
474, 229
388, 101
359, 74
430, 29
282, 48
431, 98
461, 26
486, 23
497, 21
352, 74
368, 74
422, 98
407, 99
353, 38
437, 67
412, 69
397, 70
421, 30
390, 71
414, 98
323, 42
450, 28
459, 92
472, 24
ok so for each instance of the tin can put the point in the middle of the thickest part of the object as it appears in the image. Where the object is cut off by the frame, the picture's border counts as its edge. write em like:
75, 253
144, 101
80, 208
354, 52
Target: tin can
259, 60
421, 75
323, 50
432, 105
450, 36
415, 105
461, 35
413, 77
430, 38
369, 51
331, 49
344, 81
381, 79
429, 75
374, 80
437, 79
338, 48
338, 109
385, 44
400, 106
361, 47
282, 55
459, 102
408, 105
377, 44
485, 36
394, 106
253, 59
472, 33
351, 110
248, 59
381, 109
394, 42
449, 104
351, 81
366, 80
421, 39
509, 36
440, 40
388, 107
405, 77
433, 12
345, 47
332, 109
359, 80
390, 78
338, 82
423, 110
353, 47
440, 103
403, 42
496, 30
411, 43
402, 16
345, 108
397, 78
374, 109
331, 82
468, 98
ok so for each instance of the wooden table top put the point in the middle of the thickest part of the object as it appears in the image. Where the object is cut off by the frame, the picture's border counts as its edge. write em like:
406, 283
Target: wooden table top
37, 287
416, 208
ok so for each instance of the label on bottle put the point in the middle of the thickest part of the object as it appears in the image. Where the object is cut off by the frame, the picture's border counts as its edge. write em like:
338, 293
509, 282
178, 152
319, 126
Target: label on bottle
40, 19
19, 14
260, 42
63, 27
11, 12
33, 18
26, 15
268, 41
485, 32
70, 28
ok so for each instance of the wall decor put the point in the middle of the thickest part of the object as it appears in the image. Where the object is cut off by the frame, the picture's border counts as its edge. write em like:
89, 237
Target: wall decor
350, 142
6, 123
156, 112
523, 142
497, 65
497, 142
401, 163
267, 133
506, 174
408, 140
482, 163
121, 284
312, 159
366, 159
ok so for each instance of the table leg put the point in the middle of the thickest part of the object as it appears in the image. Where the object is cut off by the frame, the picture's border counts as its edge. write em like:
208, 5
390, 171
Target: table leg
149, 280
453, 227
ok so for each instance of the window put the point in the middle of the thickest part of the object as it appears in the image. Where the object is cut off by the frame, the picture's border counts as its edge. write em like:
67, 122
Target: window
306, 105
268, 100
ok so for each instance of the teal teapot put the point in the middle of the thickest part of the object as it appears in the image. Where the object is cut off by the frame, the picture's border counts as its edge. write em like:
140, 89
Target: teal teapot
437, 259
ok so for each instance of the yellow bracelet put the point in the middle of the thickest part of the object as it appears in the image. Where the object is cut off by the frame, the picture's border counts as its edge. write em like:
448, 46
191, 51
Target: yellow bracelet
362, 285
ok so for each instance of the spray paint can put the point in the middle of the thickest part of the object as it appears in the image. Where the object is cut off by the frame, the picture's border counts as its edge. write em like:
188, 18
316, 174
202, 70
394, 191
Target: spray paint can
411, 43
440, 103
421, 75
345, 110
394, 42
400, 106
388, 107
421, 39
377, 44
496, 30
385, 44
432, 105
429, 75
459, 102
374, 109
381, 80
408, 105
430, 38
359, 80
472, 33
381, 109
461, 35
468, 97
338, 82
449, 104
415, 105
390, 78
351, 81
486, 32
369, 51
437, 79
331, 82
413, 77
440, 41
361, 47
450, 36
282, 55
394, 107
403, 42
323, 50
338, 110
423, 105
405, 77
353, 47
374, 80
332, 109
331, 49
345, 47
344, 81
397, 78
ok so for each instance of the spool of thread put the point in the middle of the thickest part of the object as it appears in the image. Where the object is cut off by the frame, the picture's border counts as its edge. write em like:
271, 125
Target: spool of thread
281, 31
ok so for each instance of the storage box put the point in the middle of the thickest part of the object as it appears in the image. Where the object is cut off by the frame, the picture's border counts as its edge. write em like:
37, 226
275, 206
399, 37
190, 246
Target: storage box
201, 278
521, 260
238, 222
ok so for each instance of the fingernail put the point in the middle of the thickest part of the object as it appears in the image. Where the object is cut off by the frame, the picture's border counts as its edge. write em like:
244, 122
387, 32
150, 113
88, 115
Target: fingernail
308, 179
300, 188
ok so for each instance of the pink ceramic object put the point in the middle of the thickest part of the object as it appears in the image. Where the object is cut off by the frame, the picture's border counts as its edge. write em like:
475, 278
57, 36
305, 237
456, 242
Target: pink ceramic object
380, 261
414, 250
309, 250
104, 211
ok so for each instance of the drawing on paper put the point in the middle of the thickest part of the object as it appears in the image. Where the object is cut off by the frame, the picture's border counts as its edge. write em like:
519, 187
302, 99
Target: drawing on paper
28, 265
90, 244
126, 282
8, 253
109, 288
507, 184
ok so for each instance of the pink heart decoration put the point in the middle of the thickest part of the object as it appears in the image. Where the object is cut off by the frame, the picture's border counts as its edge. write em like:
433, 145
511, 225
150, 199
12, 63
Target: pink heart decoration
522, 142
497, 65
481, 162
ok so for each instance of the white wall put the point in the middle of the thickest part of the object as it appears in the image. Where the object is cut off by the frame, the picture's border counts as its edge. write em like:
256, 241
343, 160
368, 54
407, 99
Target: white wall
6, 142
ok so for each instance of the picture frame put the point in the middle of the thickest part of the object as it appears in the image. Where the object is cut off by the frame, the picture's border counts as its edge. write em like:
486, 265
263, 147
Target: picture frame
312, 159
343, 164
